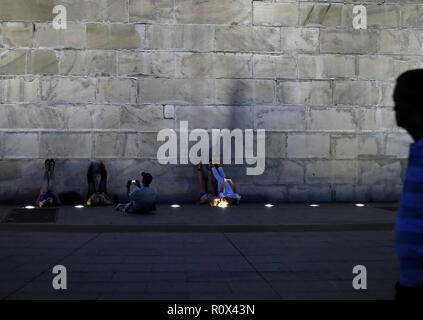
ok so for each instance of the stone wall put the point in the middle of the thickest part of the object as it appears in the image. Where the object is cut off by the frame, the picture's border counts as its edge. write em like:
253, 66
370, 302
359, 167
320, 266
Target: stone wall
124, 69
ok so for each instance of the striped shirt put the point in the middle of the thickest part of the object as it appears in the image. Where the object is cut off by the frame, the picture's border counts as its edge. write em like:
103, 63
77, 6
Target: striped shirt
409, 227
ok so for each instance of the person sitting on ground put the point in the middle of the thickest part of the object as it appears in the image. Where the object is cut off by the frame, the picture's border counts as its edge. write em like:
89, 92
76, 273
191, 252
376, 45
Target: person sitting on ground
142, 199
409, 226
97, 185
47, 196
227, 190
207, 185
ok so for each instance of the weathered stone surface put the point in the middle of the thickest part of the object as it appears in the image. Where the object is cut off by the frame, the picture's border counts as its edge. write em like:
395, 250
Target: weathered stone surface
345, 41
151, 11
160, 64
248, 39
115, 36
309, 193
300, 39
376, 67
280, 118
44, 62
281, 171
377, 119
144, 118
117, 145
276, 144
412, 16
405, 41
321, 14
117, 90
326, 66
101, 63
176, 91
209, 65
364, 93
95, 10
235, 92
18, 90
105, 116
10, 170
13, 62
275, 14
21, 145
65, 145
398, 145
322, 171
332, 119
305, 93
74, 90
213, 11
274, 67
180, 37
23, 10
344, 146
16, 34
74, 36
380, 172
308, 145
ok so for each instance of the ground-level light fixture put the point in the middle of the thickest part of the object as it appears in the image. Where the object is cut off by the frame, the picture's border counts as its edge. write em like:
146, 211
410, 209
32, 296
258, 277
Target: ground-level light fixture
175, 206
29, 207
269, 205
314, 205
79, 206
360, 205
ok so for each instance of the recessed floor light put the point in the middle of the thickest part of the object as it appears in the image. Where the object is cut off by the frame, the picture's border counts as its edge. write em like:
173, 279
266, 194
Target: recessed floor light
269, 205
29, 207
360, 205
315, 205
175, 206
79, 206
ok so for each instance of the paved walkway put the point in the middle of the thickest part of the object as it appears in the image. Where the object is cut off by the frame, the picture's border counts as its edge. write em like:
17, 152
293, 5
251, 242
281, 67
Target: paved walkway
205, 265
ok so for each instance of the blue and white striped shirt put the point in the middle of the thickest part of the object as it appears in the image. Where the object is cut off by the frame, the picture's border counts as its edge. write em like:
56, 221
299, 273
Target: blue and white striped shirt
409, 227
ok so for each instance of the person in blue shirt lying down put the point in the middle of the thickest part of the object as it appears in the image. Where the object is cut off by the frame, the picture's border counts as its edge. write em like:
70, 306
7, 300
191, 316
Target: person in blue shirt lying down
409, 226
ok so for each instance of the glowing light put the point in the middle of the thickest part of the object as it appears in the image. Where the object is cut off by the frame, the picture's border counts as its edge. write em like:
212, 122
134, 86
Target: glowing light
29, 207
314, 205
360, 205
175, 206
223, 204
269, 205
79, 206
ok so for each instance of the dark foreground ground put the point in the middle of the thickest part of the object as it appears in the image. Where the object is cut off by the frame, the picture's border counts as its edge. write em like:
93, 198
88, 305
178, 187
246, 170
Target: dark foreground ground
248, 252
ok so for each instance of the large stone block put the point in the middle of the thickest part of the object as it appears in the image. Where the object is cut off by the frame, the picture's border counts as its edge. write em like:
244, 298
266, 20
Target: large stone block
382, 16
398, 145
176, 91
44, 62
363, 93
13, 62
376, 68
276, 144
144, 118
215, 117
310, 193
371, 146
344, 146
95, 10
16, 34
213, 11
105, 116
274, 67
21, 145
282, 172
412, 16
248, 39
346, 41
305, 93
326, 66
117, 145
24, 10
404, 41
101, 63
74, 36
332, 119
332, 171
71, 90
10, 170
302, 145
180, 37
115, 36
236, 92
117, 90
321, 14
73, 62
280, 118
205, 65
377, 119
18, 90
151, 11
65, 145
275, 14
160, 64
380, 172
300, 39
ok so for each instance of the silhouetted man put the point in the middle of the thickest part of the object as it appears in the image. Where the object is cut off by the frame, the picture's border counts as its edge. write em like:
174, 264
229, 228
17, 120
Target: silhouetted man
408, 97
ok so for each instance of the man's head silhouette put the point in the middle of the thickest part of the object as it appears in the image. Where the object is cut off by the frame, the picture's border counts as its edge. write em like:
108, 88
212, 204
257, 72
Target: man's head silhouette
408, 97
